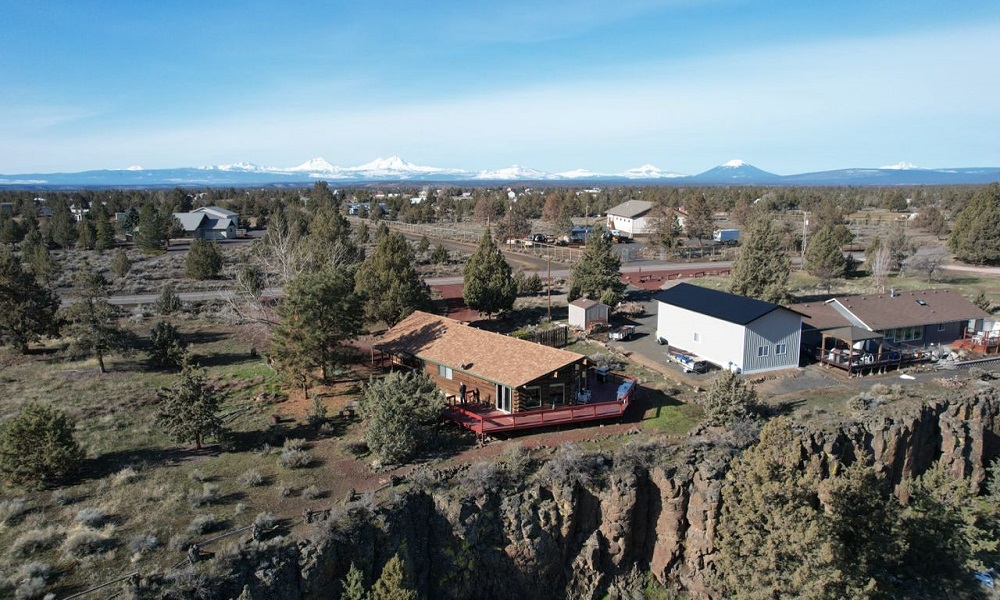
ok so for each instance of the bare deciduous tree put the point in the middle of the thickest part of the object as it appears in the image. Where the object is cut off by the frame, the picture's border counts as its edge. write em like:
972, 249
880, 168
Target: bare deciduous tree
881, 265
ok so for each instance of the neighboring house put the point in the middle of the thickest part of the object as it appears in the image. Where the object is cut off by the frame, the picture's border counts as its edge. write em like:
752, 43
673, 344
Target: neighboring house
584, 312
202, 225
79, 213
219, 213
734, 332
631, 217
510, 374
915, 318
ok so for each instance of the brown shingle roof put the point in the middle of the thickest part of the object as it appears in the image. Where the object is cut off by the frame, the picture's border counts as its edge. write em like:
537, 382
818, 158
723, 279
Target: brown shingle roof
487, 355
820, 315
906, 309
631, 209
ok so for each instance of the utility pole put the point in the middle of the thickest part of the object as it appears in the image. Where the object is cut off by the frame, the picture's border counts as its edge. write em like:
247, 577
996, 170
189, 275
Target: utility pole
548, 264
805, 232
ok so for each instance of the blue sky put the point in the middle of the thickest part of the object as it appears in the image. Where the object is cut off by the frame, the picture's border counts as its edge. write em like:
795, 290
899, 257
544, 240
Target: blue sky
789, 86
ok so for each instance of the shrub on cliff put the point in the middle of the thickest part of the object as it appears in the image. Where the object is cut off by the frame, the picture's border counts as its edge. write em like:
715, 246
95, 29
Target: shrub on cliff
730, 399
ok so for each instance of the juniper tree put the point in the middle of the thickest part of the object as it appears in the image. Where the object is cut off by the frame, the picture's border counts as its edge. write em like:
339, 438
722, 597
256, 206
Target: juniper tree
762, 267
37, 445
597, 274
975, 236
824, 258
204, 260
166, 349
401, 410
92, 321
489, 286
731, 398
27, 308
392, 584
120, 264
189, 409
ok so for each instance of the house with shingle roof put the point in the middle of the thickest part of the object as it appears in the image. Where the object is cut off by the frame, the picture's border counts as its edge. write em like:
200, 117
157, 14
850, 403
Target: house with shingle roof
631, 217
734, 332
918, 317
207, 225
511, 374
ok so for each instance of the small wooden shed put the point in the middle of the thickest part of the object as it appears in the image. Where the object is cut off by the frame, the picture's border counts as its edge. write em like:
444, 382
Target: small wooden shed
584, 312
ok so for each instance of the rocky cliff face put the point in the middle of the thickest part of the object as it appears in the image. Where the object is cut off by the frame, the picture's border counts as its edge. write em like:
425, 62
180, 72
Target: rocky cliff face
584, 537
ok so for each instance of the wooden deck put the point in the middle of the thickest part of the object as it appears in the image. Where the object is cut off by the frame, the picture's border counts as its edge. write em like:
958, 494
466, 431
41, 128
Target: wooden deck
866, 363
980, 342
485, 419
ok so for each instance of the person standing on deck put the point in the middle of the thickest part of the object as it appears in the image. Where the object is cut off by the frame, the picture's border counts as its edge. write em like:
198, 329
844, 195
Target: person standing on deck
461, 391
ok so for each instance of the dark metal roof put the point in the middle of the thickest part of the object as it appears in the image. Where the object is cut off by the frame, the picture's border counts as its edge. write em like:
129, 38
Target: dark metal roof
720, 305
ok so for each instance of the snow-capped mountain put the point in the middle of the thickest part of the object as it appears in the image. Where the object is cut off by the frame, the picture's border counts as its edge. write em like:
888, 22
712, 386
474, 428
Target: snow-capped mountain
247, 167
902, 166
315, 165
649, 172
736, 172
394, 168
581, 174
513, 173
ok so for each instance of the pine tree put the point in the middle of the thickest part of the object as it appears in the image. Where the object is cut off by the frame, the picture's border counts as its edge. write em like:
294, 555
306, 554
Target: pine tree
597, 274
104, 232
27, 308
699, 223
354, 585
975, 236
86, 235
92, 321
391, 585
188, 411
489, 286
36, 257
204, 260
151, 236
389, 283
37, 446
762, 267
320, 314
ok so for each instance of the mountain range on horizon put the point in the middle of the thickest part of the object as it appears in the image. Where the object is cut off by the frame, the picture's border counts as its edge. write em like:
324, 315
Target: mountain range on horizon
395, 169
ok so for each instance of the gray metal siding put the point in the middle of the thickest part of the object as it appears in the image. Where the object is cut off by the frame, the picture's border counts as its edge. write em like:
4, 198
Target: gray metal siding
777, 327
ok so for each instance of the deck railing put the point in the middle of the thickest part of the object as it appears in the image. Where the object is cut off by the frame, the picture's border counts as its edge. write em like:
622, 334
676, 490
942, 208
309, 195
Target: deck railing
480, 423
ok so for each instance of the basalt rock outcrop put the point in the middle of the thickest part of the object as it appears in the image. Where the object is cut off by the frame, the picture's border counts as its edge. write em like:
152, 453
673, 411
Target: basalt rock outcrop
568, 536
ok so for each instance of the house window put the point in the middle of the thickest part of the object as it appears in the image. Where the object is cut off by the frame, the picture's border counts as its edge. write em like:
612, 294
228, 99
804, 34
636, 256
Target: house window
445, 372
532, 397
940, 326
557, 393
780, 349
763, 351
697, 336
